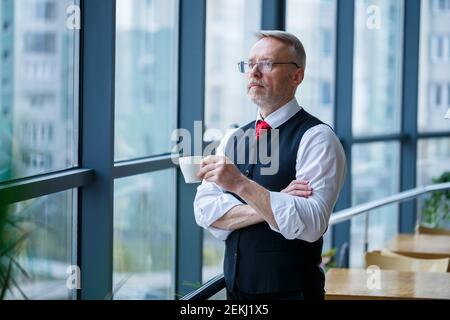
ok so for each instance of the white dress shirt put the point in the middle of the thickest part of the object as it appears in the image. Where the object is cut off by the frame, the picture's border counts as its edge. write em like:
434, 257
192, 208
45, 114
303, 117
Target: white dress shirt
320, 160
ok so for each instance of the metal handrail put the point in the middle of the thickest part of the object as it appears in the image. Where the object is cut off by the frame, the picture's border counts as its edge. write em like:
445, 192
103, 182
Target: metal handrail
207, 290
217, 283
346, 214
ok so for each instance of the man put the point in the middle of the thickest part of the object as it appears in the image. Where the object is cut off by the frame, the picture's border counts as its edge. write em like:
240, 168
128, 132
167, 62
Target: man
273, 224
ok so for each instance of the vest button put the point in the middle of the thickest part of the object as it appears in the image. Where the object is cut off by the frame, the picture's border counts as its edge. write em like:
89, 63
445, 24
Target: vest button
247, 172
235, 256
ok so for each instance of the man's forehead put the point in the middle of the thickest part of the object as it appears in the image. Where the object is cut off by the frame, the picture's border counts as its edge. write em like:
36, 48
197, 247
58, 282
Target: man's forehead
269, 48
261, 57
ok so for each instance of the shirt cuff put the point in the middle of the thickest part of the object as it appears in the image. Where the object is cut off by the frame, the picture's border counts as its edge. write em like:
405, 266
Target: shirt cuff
286, 215
219, 233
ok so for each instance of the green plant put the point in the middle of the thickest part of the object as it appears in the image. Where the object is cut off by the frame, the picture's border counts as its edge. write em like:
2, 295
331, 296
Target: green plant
5, 268
437, 207
12, 236
329, 259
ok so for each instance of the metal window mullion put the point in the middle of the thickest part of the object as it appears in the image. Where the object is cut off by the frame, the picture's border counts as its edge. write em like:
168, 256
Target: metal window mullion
142, 166
428, 135
408, 157
34, 187
379, 138
343, 108
192, 35
95, 218
273, 15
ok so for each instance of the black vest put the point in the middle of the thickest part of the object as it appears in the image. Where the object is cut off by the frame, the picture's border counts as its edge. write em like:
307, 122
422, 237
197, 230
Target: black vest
258, 259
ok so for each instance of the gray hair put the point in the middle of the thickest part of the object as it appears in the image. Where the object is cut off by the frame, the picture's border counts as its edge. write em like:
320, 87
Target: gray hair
296, 45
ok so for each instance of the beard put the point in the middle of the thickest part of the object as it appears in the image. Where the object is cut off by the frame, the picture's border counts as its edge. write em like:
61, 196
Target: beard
264, 99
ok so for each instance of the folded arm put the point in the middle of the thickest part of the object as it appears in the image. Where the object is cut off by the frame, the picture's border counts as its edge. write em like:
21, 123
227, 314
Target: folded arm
237, 218
221, 213
320, 158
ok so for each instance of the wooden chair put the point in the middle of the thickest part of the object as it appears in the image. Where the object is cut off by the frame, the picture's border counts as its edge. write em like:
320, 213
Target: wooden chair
432, 231
393, 261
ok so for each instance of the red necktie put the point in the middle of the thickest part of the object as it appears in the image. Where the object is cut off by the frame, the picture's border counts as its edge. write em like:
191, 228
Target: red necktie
261, 125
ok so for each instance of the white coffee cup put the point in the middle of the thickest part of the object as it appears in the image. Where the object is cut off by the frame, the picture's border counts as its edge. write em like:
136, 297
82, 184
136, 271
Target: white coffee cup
190, 166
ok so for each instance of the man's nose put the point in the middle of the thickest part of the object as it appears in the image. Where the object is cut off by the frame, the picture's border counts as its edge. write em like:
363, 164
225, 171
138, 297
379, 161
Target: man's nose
255, 72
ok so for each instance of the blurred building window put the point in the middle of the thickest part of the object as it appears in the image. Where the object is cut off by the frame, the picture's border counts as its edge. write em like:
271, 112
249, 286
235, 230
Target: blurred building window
144, 236
314, 23
326, 93
377, 73
434, 66
39, 84
327, 42
41, 10
146, 77
440, 6
40, 42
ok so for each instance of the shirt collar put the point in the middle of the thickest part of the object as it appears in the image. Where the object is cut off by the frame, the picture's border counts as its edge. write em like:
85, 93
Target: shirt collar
283, 114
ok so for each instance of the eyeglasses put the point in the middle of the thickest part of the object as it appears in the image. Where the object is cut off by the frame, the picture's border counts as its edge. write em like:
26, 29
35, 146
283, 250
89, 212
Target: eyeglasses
263, 66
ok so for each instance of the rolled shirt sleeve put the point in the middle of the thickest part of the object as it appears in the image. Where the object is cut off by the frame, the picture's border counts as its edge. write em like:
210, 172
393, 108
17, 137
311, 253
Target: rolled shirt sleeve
321, 161
211, 202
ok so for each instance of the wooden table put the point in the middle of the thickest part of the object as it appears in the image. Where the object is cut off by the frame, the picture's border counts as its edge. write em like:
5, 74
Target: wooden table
421, 245
354, 284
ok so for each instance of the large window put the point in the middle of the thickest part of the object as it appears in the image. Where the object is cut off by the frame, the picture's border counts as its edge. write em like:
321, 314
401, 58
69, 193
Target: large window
377, 82
45, 252
434, 66
377, 100
314, 23
230, 28
38, 88
433, 154
146, 69
375, 170
145, 117
144, 236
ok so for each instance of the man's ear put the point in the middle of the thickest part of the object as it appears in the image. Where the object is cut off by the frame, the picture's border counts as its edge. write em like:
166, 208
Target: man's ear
298, 76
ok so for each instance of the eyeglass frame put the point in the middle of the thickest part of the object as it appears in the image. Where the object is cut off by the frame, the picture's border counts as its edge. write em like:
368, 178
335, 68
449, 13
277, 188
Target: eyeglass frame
261, 65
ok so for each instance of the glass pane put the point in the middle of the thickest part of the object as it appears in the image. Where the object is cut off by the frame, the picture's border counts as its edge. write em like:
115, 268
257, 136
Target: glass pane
377, 77
434, 66
46, 253
213, 253
314, 23
433, 160
38, 88
230, 27
221, 295
144, 236
375, 175
329, 258
146, 77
